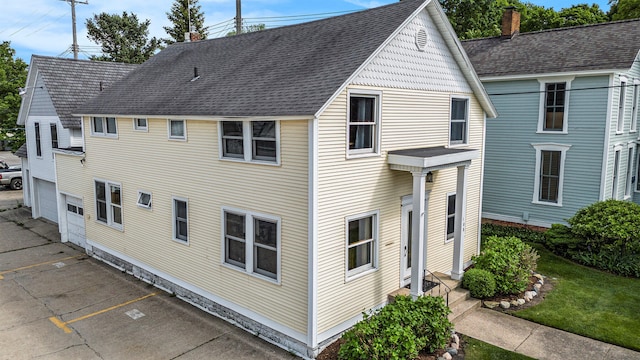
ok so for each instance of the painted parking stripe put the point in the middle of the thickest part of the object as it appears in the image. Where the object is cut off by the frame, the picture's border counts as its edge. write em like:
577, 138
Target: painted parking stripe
63, 324
36, 265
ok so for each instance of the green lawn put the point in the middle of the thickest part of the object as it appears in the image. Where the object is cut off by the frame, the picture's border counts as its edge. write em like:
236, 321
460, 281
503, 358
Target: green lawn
478, 350
588, 302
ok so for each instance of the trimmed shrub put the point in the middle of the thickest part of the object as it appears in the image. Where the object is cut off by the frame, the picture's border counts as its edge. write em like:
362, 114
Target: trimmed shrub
399, 330
562, 241
503, 257
480, 283
521, 233
609, 224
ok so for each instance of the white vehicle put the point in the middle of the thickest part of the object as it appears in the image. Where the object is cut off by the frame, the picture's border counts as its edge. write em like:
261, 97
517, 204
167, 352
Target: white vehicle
10, 176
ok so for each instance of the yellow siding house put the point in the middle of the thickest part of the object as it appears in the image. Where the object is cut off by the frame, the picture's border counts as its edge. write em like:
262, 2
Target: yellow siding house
291, 178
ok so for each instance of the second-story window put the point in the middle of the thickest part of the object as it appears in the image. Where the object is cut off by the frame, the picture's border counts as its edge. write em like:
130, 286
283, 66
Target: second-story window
554, 106
621, 105
363, 123
251, 141
104, 126
54, 136
459, 121
108, 203
38, 142
177, 130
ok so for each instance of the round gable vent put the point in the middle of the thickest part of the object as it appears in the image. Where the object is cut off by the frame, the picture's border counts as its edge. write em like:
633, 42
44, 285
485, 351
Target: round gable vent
421, 39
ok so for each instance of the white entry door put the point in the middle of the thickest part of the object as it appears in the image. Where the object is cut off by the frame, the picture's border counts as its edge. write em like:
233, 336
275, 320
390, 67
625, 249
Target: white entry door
75, 221
406, 221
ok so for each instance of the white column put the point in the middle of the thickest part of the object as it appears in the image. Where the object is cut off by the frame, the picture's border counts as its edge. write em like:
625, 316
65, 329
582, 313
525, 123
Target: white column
417, 234
461, 205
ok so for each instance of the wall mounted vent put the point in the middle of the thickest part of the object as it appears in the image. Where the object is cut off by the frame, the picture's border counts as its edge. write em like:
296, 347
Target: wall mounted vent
421, 39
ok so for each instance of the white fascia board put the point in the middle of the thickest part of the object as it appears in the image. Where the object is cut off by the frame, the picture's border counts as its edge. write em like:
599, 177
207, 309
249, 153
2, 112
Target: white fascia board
206, 118
25, 104
550, 75
434, 161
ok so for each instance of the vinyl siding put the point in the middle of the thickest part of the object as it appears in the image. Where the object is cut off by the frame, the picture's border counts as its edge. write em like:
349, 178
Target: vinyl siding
191, 169
625, 138
346, 187
41, 104
510, 162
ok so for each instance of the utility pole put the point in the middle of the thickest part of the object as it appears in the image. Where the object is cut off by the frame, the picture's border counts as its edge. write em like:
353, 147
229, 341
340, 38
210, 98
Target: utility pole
73, 3
238, 17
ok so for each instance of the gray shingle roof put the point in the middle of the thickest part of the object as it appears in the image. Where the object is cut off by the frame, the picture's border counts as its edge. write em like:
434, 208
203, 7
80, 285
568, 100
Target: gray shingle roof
22, 151
606, 46
291, 70
72, 82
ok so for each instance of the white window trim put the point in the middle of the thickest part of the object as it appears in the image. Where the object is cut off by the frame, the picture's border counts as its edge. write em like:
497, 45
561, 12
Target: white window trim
140, 128
446, 235
622, 104
247, 142
616, 170
173, 220
104, 127
249, 243
637, 172
542, 106
351, 275
466, 128
176, 138
360, 153
629, 174
109, 222
635, 105
539, 147
142, 205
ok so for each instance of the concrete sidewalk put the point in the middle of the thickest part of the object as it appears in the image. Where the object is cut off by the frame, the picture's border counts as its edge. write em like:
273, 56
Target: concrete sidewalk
535, 340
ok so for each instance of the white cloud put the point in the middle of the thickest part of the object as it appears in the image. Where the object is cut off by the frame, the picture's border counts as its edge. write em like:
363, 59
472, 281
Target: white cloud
367, 3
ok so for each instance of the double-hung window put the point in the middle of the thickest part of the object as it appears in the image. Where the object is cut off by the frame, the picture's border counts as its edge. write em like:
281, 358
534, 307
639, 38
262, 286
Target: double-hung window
104, 126
459, 121
451, 216
554, 105
629, 178
54, 135
109, 203
252, 243
362, 243
637, 173
177, 129
616, 173
250, 141
634, 107
621, 105
38, 140
140, 124
180, 220
549, 179
363, 123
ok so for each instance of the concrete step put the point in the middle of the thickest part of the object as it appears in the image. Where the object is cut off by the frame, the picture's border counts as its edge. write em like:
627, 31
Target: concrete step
462, 309
447, 280
458, 296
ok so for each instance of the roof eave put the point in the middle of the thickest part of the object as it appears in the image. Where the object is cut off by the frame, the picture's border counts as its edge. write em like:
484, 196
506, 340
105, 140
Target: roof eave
206, 117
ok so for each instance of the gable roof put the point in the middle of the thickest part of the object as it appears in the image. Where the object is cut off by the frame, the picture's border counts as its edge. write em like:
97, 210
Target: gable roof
601, 47
71, 82
287, 71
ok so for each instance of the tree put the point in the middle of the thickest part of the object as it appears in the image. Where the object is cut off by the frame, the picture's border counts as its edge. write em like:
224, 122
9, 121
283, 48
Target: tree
122, 38
624, 9
13, 75
249, 28
582, 14
180, 20
475, 18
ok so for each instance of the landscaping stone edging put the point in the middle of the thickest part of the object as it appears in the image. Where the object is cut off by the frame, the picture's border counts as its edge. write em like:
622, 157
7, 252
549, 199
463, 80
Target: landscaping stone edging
527, 296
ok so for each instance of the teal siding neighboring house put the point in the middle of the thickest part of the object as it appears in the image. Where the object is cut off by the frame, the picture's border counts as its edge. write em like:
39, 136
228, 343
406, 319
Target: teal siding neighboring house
558, 144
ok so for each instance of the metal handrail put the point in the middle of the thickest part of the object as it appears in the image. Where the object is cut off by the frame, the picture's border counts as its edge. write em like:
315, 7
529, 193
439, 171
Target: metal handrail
439, 282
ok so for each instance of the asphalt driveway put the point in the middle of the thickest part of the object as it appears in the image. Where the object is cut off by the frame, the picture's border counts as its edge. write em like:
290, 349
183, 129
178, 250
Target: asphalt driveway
58, 303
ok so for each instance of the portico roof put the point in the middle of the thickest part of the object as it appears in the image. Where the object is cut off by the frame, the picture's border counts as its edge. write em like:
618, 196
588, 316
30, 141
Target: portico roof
432, 158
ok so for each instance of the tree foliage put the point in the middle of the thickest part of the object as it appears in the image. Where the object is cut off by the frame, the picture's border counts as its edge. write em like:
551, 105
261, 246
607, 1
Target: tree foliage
249, 28
483, 18
13, 75
624, 9
179, 17
122, 38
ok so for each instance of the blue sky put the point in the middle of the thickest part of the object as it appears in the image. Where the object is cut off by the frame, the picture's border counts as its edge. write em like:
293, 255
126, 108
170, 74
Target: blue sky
43, 27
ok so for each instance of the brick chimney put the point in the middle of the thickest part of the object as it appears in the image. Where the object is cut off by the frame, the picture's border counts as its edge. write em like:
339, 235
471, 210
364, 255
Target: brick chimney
510, 23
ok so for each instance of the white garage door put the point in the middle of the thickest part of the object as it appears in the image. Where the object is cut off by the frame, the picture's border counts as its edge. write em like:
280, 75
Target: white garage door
46, 199
75, 221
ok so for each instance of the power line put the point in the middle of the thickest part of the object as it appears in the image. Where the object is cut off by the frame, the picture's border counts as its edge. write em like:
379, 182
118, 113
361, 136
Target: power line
566, 90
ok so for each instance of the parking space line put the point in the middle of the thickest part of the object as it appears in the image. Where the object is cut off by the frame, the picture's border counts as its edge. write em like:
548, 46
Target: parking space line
63, 324
36, 265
